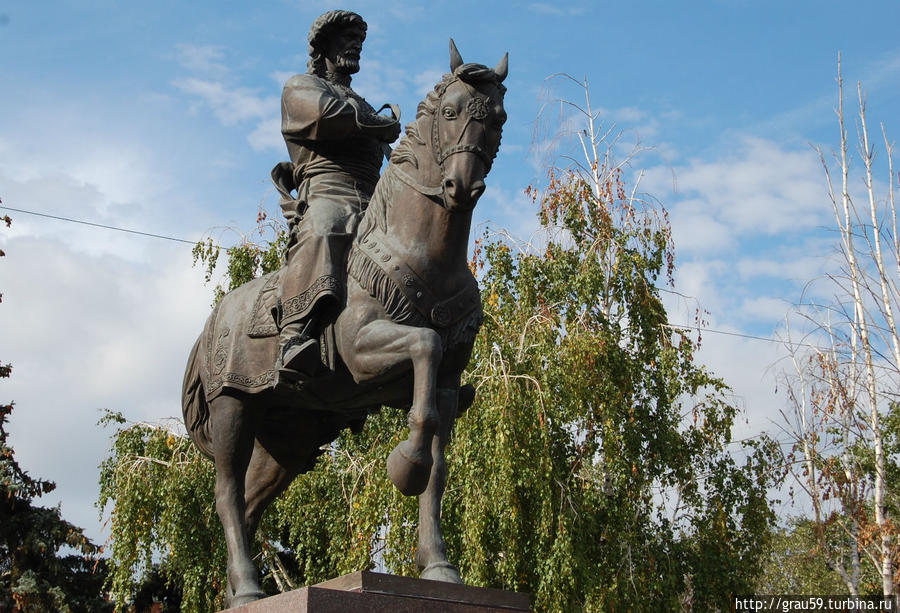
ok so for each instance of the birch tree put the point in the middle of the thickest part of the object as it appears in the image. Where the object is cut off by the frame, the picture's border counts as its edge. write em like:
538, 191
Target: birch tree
842, 388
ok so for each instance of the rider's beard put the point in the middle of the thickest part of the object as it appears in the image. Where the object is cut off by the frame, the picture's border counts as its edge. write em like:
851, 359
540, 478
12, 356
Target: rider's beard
347, 63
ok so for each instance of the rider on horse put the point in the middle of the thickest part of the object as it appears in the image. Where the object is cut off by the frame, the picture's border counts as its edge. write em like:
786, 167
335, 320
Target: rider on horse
336, 142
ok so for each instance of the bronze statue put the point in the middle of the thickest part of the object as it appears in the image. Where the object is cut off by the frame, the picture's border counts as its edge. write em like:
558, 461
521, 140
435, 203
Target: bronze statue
405, 332
336, 142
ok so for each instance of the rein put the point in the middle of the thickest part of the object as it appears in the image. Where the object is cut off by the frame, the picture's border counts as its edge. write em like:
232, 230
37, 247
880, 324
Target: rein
422, 189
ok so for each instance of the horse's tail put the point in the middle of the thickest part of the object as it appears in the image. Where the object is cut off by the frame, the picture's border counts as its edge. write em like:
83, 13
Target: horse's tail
193, 403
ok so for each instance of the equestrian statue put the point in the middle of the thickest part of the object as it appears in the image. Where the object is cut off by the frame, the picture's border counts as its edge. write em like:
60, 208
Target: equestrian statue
375, 305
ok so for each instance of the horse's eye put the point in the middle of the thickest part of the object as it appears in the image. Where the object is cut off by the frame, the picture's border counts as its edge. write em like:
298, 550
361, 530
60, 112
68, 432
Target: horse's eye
449, 113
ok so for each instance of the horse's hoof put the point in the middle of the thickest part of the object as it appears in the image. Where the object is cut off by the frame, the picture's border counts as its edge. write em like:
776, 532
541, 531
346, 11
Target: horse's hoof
239, 600
409, 472
441, 571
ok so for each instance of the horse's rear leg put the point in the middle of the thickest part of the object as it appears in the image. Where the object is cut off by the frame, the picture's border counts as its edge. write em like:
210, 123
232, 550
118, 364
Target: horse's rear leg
266, 479
382, 346
232, 433
431, 556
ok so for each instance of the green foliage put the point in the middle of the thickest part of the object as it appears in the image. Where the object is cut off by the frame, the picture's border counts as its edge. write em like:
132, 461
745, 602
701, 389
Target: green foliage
336, 517
46, 563
593, 470
160, 490
864, 458
246, 260
796, 563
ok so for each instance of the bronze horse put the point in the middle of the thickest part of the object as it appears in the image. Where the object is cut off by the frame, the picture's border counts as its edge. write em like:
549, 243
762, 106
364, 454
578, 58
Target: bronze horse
403, 338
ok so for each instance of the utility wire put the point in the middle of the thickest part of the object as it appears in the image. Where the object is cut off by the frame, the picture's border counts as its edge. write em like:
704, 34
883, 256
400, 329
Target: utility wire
181, 240
750, 336
99, 225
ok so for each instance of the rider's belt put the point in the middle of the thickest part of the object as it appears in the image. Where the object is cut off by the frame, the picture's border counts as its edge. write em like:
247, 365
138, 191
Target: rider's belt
441, 313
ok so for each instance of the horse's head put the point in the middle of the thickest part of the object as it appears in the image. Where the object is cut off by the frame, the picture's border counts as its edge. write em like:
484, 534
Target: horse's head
466, 117
467, 127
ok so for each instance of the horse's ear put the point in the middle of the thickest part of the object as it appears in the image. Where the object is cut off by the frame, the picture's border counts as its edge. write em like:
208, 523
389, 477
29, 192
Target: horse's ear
502, 68
455, 58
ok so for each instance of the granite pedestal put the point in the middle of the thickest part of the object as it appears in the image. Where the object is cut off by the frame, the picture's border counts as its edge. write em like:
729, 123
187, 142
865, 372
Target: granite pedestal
368, 592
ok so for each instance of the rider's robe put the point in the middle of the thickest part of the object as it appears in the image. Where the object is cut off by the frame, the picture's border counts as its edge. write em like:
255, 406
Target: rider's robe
335, 168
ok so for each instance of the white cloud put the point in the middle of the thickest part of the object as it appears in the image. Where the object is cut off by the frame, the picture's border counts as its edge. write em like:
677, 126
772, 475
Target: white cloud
90, 318
698, 280
696, 231
764, 188
405, 11
749, 366
239, 104
765, 308
267, 135
204, 59
628, 113
794, 266
281, 76
114, 192
87, 332
230, 105
426, 80
760, 189
381, 81
212, 84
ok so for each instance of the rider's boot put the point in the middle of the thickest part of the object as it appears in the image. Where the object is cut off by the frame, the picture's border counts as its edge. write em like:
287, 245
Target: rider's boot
299, 347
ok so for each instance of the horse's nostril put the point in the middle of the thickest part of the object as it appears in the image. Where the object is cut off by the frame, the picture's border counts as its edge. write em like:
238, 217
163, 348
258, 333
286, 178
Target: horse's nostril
450, 186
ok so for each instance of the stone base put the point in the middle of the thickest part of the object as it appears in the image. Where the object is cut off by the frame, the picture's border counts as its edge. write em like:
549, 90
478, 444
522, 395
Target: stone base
368, 592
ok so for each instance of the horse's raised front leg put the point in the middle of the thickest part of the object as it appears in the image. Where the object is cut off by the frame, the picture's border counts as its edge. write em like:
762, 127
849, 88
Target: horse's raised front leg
431, 557
232, 442
382, 346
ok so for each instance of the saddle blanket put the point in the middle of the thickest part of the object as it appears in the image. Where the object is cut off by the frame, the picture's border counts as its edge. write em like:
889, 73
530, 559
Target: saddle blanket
240, 346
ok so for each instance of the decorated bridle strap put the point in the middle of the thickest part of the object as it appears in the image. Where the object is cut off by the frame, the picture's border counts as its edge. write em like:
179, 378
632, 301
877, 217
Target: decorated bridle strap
441, 313
477, 110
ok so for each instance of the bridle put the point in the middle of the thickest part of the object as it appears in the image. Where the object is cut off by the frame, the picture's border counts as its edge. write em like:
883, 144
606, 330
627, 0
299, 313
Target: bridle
477, 110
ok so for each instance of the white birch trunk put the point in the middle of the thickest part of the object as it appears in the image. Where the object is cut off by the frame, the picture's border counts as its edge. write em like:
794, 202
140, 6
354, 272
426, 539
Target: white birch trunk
886, 570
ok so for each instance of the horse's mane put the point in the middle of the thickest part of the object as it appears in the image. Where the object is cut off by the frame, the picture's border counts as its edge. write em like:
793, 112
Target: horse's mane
376, 213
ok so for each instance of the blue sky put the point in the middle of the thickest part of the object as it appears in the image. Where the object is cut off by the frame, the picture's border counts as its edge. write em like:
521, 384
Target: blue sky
163, 117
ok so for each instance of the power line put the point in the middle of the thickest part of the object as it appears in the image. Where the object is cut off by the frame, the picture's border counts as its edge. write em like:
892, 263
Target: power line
100, 225
750, 336
181, 240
